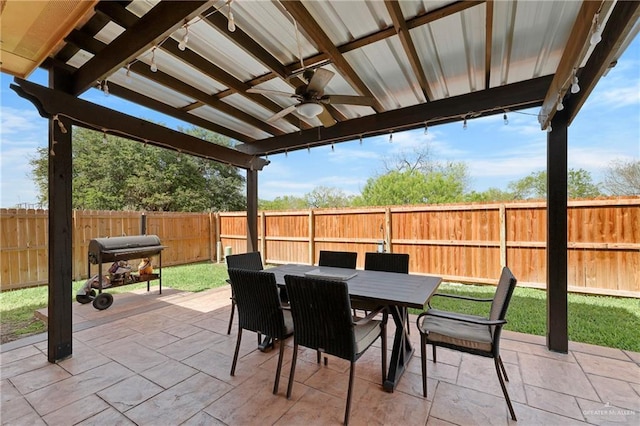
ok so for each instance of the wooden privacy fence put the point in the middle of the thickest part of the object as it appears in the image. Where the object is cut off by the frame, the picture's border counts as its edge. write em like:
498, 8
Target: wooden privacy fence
465, 243
23, 247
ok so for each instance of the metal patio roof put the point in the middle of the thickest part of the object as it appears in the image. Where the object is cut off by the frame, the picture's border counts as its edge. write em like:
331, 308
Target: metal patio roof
422, 62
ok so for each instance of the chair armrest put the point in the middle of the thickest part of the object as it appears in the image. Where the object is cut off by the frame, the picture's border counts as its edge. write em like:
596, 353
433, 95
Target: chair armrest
459, 317
457, 296
372, 315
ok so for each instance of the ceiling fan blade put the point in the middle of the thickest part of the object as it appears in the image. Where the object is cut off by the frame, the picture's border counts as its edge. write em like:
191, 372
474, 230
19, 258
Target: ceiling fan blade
278, 115
320, 79
326, 118
270, 92
348, 100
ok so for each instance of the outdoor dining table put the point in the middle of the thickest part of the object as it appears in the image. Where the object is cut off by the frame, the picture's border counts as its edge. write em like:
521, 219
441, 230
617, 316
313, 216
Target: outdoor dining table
397, 291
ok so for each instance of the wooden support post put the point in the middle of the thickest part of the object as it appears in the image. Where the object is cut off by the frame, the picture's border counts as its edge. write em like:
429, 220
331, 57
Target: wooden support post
557, 178
252, 210
60, 233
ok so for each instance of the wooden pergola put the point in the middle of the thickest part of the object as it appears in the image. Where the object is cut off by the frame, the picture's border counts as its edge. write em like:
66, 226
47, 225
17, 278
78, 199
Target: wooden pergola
389, 66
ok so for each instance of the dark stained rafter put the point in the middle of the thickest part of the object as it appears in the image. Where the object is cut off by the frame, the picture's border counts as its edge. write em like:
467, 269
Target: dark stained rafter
87, 114
622, 22
573, 53
526, 94
488, 43
390, 31
249, 45
308, 25
92, 45
402, 30
152, 28
126, 19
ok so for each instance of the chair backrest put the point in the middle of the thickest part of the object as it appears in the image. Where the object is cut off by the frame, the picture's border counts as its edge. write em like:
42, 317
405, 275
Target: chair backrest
387, 262
502, 296
251, 261
321, 312
257, 300
338, 259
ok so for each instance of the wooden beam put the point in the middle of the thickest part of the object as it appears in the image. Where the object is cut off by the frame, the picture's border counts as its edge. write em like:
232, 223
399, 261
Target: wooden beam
152, 28
557, 178
180, 114
127, 20
96, 47
402, 30
488, 44
60, 328
573, 52
620, 26
86, 114
324, 43
514, 96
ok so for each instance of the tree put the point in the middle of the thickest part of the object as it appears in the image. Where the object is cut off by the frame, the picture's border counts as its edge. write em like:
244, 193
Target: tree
123, 174
286, 202
325, 197
579, 185
489, 195
622, 177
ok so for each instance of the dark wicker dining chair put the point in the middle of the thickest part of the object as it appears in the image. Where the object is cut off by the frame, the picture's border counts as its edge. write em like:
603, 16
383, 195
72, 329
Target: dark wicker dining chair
322, 320
338, 259
469, 333
260, 311
251, 261
387, 262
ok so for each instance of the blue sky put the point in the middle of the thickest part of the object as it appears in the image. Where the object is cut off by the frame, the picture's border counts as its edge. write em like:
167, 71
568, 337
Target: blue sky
606, 129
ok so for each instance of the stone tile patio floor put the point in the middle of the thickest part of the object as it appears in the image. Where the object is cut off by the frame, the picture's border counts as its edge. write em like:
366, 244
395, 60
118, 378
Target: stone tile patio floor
164, 360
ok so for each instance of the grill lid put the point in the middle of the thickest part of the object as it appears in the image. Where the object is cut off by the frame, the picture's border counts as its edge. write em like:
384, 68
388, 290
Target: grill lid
110, 249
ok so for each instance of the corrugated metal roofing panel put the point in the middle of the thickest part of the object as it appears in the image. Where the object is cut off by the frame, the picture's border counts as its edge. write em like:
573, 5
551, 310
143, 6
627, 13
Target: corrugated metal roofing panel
151, 89
371, 17
386, 71
217, 48
229, 122
271, 26
529, 38
451, 51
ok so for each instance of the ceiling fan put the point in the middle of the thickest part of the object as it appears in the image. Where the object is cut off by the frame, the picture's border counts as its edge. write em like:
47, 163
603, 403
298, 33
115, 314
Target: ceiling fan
311, 97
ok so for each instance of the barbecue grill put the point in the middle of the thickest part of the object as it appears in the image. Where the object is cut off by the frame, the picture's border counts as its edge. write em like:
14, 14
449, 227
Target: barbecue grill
114, 250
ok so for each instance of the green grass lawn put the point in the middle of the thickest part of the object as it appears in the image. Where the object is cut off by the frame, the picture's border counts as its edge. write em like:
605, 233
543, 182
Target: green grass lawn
605, 321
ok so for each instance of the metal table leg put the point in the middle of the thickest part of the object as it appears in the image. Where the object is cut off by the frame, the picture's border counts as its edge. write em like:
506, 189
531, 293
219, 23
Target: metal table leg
402, 349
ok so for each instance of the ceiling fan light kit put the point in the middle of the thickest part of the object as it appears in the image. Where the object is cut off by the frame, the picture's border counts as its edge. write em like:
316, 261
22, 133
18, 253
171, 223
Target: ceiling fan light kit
309, 109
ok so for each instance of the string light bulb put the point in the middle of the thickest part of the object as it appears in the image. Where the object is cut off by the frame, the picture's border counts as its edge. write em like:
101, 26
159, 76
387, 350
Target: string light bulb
232, 22
153, 67
560, 105
464, 124
360, 139
549, 129
575, 88
128, 78
391, 136
52, 151
185, 39
596, 35
505, 119
426, 128
308, 149
105, 88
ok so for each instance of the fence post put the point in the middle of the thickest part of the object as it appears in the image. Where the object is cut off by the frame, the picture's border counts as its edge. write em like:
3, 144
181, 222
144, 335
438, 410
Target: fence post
387, 223
503, 235
312, 237
263, 242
